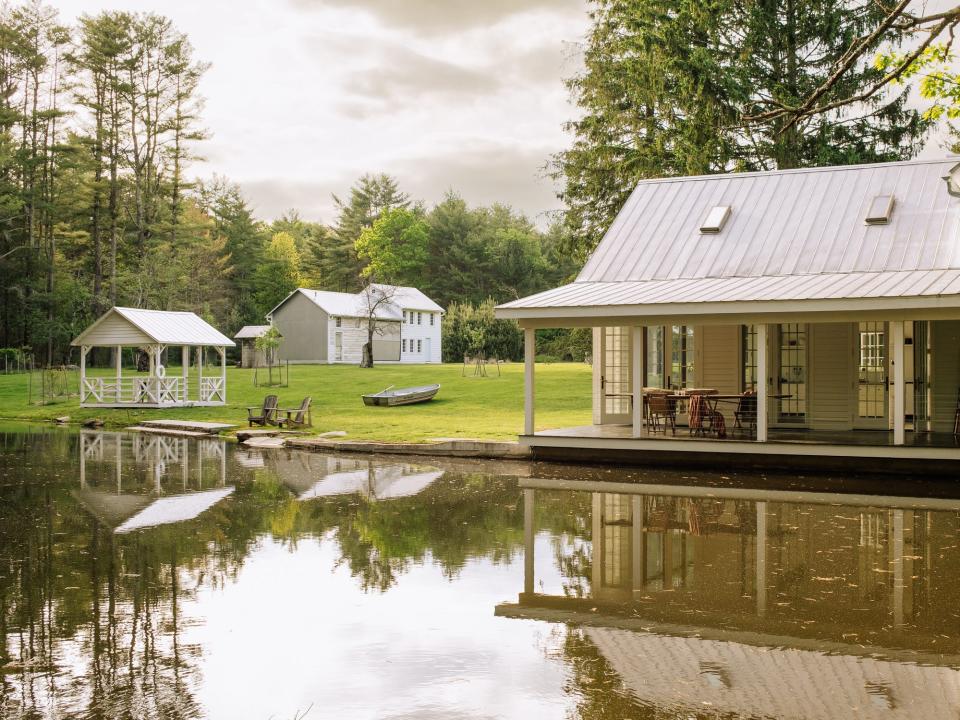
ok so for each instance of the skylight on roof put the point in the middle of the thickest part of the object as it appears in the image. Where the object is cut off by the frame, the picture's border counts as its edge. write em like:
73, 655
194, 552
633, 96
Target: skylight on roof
881, 208
715, 220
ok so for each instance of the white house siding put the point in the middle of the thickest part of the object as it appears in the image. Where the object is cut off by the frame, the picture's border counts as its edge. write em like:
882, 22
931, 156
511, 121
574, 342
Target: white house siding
116, 330
353, 334
429, 337
304, 329
717, 350
830, 381
944, 372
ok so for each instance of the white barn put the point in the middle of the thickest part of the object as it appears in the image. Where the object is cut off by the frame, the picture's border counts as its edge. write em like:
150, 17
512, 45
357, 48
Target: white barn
817, 311
321, 326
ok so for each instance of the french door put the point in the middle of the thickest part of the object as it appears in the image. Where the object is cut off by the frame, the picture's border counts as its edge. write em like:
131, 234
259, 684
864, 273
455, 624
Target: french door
615, 384
872, 373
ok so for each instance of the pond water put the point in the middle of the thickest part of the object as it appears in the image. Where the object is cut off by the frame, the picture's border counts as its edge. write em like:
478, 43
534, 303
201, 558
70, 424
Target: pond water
151, 577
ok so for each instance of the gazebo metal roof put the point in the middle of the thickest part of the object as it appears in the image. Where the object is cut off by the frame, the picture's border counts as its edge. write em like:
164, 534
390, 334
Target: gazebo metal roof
164, 327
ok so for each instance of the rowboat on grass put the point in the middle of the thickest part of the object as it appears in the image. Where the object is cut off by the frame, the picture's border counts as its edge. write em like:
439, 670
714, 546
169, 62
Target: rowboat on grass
401, 396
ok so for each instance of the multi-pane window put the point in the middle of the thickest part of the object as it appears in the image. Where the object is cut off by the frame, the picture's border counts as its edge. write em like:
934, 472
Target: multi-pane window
339, 322
419, 318
681, 357
872, 371
678, 370
403, 345
419, 345
749, 351
654, 357
616, 370
793, 372
431, 319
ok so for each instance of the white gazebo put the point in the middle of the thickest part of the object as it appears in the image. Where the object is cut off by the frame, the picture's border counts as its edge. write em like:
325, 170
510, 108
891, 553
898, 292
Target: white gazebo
154, 331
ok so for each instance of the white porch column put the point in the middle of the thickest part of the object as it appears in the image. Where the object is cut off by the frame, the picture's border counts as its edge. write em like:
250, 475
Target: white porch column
529, 356
899, 384
762, 375
639, 430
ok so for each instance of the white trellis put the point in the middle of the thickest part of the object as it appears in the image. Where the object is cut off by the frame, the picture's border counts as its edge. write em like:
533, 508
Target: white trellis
157, 333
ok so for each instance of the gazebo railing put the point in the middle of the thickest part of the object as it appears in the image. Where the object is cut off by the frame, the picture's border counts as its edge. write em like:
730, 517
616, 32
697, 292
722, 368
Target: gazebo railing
212, 389
133, 391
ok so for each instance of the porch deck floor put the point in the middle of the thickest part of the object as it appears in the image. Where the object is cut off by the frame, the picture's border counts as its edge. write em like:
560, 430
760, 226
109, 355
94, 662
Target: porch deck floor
857, 438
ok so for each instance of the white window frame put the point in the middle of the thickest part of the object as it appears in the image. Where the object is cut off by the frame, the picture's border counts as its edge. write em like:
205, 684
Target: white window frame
339, 322
403, 344
431, 319
419, 318
419, 346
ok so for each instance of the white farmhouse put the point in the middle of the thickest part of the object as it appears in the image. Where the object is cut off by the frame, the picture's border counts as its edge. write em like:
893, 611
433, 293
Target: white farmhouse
321, 326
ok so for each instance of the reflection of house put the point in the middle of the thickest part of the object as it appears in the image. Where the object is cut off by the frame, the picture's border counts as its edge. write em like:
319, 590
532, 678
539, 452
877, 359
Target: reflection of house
688, 674
838, 287
321, 326
763, 603
311, 475
249, 355
135, 486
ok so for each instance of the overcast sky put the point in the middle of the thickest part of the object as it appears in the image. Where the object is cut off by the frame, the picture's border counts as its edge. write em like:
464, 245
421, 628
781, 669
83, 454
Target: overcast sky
304, 96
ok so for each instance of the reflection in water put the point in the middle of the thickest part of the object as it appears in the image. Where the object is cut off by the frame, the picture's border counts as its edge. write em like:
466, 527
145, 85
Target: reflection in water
760, 604
152, 577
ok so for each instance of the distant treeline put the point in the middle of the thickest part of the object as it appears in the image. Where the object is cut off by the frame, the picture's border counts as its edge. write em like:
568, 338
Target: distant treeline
100, 123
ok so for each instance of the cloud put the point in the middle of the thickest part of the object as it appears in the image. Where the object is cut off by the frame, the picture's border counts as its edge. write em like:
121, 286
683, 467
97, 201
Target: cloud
482, 172
402, 75
438, 16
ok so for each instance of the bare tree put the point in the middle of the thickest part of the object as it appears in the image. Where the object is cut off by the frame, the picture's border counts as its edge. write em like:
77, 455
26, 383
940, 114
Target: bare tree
903, 21
376, 298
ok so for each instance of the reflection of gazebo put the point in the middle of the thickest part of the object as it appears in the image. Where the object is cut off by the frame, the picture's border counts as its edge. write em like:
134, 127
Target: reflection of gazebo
155, 331
124, 509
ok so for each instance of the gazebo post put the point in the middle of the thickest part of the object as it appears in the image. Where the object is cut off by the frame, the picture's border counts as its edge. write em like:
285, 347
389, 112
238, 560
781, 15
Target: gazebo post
83, 373
184, 370
200, 373
223, 372
118, 362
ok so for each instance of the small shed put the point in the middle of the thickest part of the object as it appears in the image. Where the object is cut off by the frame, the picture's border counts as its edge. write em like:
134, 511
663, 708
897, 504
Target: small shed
250, 357
154, 332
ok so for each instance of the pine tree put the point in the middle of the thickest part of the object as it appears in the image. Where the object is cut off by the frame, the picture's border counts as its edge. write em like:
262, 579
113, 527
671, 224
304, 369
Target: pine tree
665, 85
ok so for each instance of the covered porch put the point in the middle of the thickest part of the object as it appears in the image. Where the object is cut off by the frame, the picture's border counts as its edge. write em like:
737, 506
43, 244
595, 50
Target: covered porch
820, 391
165, 337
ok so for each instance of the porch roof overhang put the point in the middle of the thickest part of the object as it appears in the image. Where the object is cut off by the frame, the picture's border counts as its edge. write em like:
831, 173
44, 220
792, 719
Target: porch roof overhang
136, 326
831, 297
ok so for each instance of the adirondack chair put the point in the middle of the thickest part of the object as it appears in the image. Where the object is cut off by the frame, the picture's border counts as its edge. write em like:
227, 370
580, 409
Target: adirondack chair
268, 413
300, 417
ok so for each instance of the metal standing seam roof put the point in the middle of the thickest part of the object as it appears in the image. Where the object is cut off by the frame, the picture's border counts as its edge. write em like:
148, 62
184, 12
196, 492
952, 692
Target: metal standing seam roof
250, 332
355, 305
792, 235
166, 327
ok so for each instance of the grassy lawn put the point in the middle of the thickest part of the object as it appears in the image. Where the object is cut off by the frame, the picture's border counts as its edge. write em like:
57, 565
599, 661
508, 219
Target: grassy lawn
473, 407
